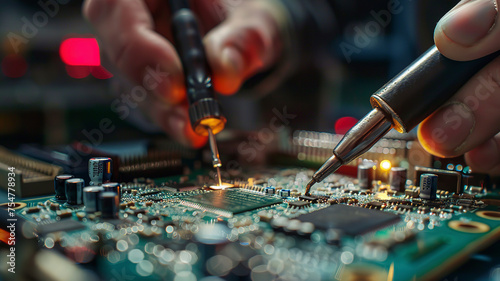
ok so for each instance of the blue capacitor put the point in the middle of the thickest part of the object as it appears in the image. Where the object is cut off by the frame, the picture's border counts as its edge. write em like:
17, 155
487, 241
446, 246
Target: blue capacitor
428, 186
285, 193
91, 198
270, 190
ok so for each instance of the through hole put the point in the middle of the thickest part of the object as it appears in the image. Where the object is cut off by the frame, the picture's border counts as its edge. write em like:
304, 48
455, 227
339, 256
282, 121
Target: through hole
492, 214
464, 225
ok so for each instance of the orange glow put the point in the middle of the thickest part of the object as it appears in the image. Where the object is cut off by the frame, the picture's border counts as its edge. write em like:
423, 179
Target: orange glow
4, 236
385, 165
215, 124
223, 186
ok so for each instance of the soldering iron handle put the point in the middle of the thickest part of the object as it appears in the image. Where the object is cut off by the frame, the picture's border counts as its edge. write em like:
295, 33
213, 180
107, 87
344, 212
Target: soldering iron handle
189, 46
424, 86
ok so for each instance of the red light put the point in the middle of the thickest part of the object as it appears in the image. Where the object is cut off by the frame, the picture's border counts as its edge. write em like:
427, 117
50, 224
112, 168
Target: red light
14, 66
344, 124
80, 51
100, 72
78, 71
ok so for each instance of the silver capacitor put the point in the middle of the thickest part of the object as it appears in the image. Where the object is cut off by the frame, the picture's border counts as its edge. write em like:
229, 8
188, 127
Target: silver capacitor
428, 186
91, 198
397, 178
109, 205
100, 170
60, 186
74, 191
366, 175
113, 187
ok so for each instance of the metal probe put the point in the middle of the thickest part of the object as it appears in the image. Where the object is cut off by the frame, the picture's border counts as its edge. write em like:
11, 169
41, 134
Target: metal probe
215, 154
205, 112
402, 103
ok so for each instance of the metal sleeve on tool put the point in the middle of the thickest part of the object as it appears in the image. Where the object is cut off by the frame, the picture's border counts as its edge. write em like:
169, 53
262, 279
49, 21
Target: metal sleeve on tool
423, 87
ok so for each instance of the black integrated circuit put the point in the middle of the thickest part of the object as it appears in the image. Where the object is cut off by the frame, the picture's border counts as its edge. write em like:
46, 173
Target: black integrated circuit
348, 219
62, 225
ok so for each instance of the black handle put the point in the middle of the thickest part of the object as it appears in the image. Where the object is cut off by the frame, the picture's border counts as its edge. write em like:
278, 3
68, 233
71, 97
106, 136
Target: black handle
204, 110
190, 48
424, 86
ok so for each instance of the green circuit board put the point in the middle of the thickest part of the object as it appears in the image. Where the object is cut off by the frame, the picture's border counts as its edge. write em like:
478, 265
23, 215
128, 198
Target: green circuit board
177, 228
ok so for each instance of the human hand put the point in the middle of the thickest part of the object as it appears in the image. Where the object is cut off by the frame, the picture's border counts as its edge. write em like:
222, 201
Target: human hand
136, 36
470, 122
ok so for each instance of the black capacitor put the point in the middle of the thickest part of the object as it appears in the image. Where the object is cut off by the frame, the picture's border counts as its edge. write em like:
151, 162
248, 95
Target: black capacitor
113, 187
109, 205
59, 186
91, 198
74, 191
100, 170
397, 178
366, 175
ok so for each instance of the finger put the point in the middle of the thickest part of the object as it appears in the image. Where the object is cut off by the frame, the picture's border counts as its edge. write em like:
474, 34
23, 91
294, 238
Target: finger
174, 120
469, 119
486, 157
469, 30
126, 29
247, 42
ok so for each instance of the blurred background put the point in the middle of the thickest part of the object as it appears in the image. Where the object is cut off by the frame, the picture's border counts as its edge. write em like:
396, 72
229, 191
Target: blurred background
45, 100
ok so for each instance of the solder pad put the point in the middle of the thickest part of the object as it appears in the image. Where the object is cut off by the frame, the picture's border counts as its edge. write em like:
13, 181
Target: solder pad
348, 219
229, 201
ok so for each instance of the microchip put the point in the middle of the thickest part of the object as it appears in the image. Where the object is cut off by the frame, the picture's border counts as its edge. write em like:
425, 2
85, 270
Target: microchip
375, 205
180, 187
150, 192
62, 225
308, 198
405, 207
229, 201
299, 204
348, 219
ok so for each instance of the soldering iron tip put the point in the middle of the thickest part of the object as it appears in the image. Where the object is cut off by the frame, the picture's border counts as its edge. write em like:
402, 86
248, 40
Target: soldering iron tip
308, 186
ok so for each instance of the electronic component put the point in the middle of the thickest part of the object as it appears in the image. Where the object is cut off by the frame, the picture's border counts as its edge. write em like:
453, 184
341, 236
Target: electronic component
428, 186
447, 180
311, 199
366, 176
397, 178
109, 205
299, 204
63, 225
228, 202
270, 190
349, 220
32, 177
74, 191
113, 187
99, 170
91, 198
285, 193
59, 186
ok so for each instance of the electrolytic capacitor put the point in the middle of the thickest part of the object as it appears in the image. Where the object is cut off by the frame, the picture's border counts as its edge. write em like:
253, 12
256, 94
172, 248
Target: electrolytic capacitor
428, 186
113, 187
109, 204
91, 198
59, 186
100, 170
366, 175
74, 191
397, 178
285, 193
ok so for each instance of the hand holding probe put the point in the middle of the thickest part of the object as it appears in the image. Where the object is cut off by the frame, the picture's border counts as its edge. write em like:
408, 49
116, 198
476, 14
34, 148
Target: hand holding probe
205, 112
402, 103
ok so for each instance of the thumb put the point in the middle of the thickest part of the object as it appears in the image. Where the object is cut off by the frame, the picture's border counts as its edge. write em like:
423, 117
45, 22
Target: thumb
469, 30
247, 42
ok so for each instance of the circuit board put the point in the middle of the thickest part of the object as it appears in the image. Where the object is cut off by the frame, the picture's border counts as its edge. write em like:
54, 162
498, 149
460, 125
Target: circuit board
177, 228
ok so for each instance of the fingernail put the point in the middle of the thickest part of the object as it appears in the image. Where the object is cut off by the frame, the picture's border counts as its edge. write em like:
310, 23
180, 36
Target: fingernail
232, 59
470, 22
449, 128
